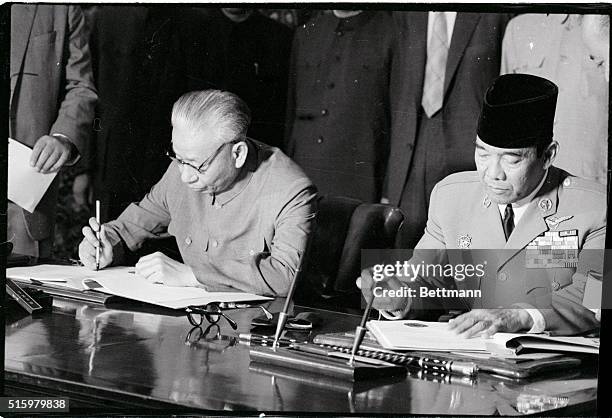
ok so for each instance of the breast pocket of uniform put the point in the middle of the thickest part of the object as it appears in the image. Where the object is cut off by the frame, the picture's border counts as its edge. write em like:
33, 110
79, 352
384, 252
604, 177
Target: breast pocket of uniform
547, 280
187, 241
367, 69
40, 53
561, 278
249, 248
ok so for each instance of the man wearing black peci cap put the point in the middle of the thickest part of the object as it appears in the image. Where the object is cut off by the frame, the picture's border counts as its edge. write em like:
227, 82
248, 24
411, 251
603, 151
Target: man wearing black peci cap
531, 217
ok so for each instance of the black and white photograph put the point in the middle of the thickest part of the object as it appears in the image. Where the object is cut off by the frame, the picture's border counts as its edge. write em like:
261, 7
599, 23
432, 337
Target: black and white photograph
279, 209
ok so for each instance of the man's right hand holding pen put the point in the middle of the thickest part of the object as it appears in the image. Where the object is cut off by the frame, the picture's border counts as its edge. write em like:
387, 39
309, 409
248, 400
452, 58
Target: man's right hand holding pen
87, 247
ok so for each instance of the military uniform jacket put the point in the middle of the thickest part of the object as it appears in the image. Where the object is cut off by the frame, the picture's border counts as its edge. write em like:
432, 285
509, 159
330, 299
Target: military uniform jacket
551, 46
461, 216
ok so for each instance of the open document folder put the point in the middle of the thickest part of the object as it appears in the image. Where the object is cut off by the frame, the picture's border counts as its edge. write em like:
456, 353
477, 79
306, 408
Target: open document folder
436, 336
123, 282
26, 186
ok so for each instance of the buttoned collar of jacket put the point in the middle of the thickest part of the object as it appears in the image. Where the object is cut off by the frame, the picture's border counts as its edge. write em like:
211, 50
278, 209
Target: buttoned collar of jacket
353, 22
248, 169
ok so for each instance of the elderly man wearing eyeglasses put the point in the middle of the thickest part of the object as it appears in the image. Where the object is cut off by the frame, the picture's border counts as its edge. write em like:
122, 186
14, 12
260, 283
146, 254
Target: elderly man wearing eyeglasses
241, 211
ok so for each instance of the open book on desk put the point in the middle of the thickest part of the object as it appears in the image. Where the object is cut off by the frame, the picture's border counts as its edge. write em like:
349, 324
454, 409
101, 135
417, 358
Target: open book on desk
123, 282
436, 336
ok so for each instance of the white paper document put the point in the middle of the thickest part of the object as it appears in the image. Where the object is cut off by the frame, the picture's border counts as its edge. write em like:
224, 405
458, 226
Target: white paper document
436, 336
422, 336
123, 282
26, 186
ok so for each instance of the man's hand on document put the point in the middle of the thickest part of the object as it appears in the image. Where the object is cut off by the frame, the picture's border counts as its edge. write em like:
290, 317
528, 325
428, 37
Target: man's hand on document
159, 268
487, 322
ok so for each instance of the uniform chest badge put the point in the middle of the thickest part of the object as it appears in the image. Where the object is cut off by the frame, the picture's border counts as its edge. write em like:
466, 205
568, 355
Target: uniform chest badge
553, 222
545, 205
553, 249
464, 241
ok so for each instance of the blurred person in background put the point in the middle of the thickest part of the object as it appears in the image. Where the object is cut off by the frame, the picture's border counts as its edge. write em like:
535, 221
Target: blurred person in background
338, 109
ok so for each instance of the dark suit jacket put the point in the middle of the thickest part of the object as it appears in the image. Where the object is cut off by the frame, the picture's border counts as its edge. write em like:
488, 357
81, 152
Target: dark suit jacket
338, 102
56, 93
138, 72
473, 62
250, 59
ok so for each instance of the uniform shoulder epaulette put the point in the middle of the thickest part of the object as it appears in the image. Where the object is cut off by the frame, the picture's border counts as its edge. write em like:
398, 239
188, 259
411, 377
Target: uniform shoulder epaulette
578, 183
461, 177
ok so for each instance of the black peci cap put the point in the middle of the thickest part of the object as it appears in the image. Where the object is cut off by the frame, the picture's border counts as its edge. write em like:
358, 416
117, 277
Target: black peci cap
518, 111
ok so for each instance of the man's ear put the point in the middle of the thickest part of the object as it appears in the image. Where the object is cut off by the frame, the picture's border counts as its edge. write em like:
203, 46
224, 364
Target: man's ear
240, 151
550, 154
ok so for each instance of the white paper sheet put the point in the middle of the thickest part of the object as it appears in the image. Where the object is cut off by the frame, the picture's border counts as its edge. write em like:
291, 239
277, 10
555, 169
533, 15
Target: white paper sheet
436, 336
26, 186
122, 281
421, 335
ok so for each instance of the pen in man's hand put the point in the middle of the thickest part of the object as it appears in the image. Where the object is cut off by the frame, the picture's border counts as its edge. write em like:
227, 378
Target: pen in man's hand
98, 235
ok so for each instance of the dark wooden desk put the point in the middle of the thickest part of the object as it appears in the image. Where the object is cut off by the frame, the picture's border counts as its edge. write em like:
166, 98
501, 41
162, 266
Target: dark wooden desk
108, 358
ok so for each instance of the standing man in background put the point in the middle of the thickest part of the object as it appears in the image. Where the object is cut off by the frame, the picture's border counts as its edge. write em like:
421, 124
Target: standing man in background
246, 53
51, 108
338, 108
446, 62
138, 74
552, 46
596, 38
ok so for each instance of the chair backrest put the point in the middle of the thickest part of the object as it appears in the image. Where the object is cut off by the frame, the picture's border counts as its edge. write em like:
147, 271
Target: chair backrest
344, 227
373, 226
320, 268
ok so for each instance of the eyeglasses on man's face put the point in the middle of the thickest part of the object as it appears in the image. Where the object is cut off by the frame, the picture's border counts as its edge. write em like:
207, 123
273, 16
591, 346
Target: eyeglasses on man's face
212, 312
202, 168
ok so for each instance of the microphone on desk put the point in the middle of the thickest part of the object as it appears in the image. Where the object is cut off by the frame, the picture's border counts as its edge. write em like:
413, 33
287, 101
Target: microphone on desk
360, 331
283, 315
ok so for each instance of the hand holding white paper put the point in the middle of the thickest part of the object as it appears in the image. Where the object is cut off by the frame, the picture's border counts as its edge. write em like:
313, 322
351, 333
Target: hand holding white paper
26, 186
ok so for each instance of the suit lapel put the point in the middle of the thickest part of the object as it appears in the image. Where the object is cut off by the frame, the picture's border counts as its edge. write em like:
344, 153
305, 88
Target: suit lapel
533, 221
494, 232
22, 19
485, 234
465, 23
414, 55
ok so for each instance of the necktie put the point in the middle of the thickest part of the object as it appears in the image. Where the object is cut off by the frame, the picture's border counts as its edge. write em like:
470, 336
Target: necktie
508, 221
437, 55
